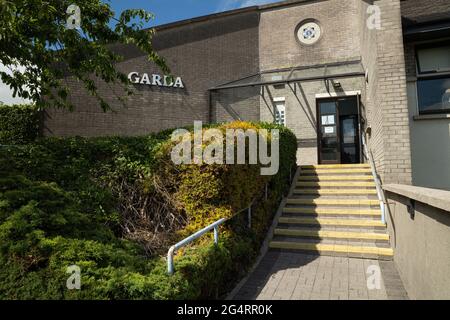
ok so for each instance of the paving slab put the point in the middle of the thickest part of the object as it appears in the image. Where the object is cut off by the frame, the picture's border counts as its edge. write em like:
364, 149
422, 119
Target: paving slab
300, 276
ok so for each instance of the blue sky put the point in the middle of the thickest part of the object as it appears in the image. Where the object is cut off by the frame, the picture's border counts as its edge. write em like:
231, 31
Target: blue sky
166, 11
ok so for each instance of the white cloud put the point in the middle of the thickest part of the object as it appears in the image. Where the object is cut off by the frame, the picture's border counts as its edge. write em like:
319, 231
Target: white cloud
235, 4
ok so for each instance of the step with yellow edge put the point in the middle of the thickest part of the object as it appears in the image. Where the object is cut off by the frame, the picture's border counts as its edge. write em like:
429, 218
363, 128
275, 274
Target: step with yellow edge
334, 166
322, 234
350, 184
331, 222
321, 248
333, 211
329, 171
335, 178
334, 202
338, 192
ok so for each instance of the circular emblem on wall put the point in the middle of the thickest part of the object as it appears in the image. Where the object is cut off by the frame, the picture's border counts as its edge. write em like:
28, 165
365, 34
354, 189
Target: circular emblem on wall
308, 32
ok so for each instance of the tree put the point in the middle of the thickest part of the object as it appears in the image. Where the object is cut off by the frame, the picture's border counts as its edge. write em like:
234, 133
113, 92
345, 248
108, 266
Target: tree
39, 47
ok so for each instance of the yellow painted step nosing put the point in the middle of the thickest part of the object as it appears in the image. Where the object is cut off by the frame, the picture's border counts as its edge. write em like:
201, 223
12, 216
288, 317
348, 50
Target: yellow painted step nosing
336, 191
325, 211
319, 247
332, 222
325, 166
334, 184
342, 171
335, 178
349, 202
332, 234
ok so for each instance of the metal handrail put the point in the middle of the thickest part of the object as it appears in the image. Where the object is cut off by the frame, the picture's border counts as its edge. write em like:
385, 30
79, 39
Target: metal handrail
198, 234
182, 243
215, 226
378, 184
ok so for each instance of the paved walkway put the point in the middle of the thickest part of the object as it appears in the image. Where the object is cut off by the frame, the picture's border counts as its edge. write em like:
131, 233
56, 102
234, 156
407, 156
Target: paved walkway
297, 276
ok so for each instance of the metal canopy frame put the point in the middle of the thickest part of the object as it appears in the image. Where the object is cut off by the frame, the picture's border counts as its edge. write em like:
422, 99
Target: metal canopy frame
289, 79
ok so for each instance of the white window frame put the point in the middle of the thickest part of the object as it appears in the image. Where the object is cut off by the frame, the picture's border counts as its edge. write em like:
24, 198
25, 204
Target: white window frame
428, 75
277, 103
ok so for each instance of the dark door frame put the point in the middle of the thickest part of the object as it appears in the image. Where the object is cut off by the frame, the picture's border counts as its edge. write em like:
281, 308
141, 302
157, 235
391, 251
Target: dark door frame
338, 134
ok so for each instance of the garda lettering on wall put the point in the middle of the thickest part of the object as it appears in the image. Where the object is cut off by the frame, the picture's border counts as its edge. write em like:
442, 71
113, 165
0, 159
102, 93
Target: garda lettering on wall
155, 80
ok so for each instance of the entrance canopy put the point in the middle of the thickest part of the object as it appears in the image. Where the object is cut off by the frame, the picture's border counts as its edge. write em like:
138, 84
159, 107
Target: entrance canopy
298, 74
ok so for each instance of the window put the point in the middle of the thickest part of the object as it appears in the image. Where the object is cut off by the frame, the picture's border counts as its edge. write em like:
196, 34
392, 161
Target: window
433, 83
280, 113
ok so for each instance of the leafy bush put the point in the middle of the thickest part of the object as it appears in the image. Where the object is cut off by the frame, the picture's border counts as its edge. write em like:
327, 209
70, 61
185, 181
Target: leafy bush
66, 201
19, 124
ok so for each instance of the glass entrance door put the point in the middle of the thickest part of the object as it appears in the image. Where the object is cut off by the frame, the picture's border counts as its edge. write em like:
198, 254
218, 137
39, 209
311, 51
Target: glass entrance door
338, 130
349, 139
329, 151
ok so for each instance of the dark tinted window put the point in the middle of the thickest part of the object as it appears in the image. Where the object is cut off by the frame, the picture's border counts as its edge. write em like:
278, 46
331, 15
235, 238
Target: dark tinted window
434, 95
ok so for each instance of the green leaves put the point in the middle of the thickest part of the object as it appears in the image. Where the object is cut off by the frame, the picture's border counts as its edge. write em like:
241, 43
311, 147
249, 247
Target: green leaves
34, 39
19, 124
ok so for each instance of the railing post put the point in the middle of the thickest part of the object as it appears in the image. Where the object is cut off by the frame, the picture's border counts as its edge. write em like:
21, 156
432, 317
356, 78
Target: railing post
380, 193
250, 217
170, 260
216, 235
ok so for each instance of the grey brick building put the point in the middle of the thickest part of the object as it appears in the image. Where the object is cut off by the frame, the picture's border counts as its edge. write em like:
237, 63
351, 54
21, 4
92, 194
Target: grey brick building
331, 70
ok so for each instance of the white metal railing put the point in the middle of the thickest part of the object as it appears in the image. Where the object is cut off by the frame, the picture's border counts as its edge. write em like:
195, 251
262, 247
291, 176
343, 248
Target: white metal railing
215, 226
182, 243
378, 184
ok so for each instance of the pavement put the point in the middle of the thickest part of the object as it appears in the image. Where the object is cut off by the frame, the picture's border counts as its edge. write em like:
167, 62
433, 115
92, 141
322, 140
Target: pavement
297, 276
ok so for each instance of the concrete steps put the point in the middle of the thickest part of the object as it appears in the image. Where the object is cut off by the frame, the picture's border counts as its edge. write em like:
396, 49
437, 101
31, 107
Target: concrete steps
333, 210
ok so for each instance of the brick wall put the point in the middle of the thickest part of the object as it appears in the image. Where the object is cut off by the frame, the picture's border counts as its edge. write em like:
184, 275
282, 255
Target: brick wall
388, 115
235, 104
205, 54
392, 94
418, 11
374, 113
340, 39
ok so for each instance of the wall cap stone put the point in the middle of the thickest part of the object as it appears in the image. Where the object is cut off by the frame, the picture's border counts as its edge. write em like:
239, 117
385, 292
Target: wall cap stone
432, 116
432, 197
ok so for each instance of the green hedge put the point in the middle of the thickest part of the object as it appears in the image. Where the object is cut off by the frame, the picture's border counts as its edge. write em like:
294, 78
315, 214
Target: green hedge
57, 208
19, 124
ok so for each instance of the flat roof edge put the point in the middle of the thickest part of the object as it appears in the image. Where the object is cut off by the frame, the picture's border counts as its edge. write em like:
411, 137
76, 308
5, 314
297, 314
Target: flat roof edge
227, 13
205, 18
